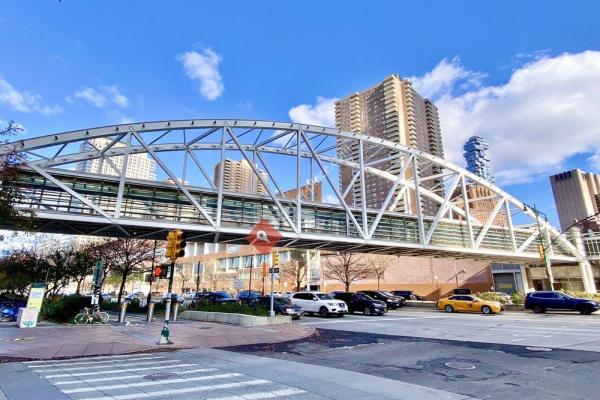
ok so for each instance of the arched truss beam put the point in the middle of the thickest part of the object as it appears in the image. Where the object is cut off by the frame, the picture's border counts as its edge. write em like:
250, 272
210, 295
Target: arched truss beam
303, 143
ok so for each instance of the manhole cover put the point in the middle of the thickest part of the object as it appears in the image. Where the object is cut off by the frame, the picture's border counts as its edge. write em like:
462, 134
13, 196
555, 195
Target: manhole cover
160, 376
459, 365
539, 348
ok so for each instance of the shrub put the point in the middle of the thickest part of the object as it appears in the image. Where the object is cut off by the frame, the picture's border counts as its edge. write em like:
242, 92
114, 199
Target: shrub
64, 309
492, 296
517, 298
233, 308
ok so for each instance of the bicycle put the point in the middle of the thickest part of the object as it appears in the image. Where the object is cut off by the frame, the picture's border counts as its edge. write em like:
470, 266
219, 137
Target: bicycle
89, 316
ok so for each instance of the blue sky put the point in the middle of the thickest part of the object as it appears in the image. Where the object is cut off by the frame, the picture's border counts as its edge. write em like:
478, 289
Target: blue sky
525, 75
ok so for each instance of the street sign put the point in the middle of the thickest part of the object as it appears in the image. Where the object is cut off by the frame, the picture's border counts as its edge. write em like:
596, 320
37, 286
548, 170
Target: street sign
274, 270
238, 283
98, 272
263, 237
36, 296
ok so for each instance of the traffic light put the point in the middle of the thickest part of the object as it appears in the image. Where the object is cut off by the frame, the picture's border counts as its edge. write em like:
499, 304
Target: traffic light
542, 252
161, 271
175, 245
275, 258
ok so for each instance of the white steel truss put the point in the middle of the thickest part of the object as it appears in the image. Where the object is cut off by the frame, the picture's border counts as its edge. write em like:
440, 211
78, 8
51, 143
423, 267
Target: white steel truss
448, 211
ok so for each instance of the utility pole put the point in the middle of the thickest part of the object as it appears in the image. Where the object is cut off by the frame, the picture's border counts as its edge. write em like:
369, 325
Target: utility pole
542, 248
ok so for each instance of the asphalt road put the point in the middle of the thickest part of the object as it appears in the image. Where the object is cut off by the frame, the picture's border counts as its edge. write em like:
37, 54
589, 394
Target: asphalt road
485, 357
559, 330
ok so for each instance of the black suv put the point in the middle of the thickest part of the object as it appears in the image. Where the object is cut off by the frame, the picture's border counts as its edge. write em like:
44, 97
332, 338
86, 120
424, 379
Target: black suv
361, 302
389, 299
407, 295
539, 302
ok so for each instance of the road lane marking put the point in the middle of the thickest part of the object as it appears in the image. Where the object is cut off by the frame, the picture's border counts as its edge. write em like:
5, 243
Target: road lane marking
123, 377
152, 383
193, 389
95, 362
262, 395
127, 364
87, 358
115, 371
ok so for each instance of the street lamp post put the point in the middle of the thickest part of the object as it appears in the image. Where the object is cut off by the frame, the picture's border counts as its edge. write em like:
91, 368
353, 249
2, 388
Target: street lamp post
543, 248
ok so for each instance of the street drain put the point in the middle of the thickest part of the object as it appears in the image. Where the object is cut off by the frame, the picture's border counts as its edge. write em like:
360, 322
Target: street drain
533, 348
459, 365
160, 376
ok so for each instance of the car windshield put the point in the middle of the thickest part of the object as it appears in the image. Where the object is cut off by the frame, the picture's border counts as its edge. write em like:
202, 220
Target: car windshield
388, 294
281, 301
324, 296
224, 295
568, 296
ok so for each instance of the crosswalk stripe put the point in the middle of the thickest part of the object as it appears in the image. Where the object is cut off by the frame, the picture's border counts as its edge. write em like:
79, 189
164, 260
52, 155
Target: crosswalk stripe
95, 362
262, 395
153, 383
172, 392
128, 364
122, 377
87, 358
117, 371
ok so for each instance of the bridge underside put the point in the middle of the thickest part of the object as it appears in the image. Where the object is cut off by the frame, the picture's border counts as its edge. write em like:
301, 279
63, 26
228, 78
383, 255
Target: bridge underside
149, 210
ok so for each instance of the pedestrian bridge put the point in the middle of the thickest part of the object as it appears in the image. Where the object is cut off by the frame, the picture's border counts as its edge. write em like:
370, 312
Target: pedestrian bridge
75, 182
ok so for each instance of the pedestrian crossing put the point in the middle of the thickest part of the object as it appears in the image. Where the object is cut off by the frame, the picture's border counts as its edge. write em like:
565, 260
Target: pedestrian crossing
155, 376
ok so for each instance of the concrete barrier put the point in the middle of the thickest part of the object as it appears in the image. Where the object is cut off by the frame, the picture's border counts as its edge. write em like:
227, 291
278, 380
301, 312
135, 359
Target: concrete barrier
421, 304
236, 319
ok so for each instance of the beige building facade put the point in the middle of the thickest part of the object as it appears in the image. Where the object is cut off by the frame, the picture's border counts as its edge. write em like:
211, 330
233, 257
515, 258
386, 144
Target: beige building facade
577, 196
238, 176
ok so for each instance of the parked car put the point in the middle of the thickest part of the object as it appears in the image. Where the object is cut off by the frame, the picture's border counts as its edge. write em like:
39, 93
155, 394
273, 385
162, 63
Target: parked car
9, 310
106, 297
319, 303
539, 302
389, 299
469, 303
361, 302
214, 297
407, 295
281, 306
247, 296
175, 298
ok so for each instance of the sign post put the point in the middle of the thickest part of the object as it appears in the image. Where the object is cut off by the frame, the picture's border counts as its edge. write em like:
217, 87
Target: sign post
97, 274
272, 271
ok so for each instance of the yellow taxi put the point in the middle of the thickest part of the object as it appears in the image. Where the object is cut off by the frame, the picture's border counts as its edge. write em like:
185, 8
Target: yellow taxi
468, 303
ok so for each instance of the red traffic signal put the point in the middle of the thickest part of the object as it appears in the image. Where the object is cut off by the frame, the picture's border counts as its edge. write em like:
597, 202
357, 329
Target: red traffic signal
161, 271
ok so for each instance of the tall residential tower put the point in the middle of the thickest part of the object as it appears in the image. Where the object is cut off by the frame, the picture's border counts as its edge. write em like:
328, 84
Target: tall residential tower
238, 176
577, 196
392, 110
477, 158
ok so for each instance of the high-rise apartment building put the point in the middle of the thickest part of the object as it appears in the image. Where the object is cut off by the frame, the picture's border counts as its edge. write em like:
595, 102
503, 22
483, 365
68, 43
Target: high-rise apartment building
310, 192
577, 196
477, 157
139, 166
392, 110
238, 176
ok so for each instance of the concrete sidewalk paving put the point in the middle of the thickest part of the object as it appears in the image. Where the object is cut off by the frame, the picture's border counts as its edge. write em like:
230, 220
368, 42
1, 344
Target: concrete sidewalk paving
61, 341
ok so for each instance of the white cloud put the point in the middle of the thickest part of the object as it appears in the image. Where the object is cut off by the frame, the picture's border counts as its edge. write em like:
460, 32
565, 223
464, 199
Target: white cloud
116, 96
321, 114
544, 114
204, 67
24, 101
446, 76
101, 97
92, 96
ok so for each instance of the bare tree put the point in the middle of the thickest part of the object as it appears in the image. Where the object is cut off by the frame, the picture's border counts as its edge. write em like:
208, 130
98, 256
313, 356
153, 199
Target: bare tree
213, 277
128, 256
346, 268
378, 264
184, 274
294, 270
9, 192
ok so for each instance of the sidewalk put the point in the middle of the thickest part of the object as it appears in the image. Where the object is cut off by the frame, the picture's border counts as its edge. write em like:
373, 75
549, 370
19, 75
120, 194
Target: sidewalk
61, 341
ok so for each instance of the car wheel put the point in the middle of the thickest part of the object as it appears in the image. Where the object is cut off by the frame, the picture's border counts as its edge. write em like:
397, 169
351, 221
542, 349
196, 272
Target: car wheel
449, 308
323, 311
586, 310
368, 311
486, 310
538, 309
